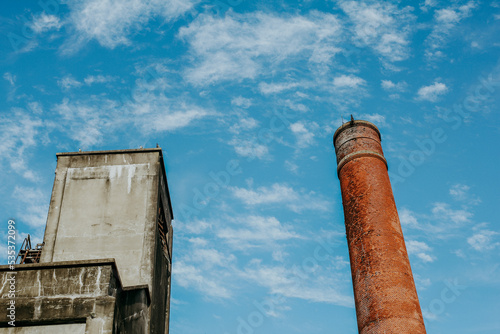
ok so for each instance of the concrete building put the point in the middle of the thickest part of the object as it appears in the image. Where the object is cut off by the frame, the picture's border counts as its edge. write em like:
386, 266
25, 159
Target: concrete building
106, 262
384, 290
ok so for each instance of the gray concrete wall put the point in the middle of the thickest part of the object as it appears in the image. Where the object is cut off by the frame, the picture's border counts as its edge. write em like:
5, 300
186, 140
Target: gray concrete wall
104, 206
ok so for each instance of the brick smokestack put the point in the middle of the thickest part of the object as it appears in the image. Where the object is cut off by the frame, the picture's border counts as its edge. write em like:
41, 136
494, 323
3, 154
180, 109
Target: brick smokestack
384, 291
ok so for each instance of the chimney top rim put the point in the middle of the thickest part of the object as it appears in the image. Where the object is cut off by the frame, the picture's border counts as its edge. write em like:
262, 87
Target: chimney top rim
354, 123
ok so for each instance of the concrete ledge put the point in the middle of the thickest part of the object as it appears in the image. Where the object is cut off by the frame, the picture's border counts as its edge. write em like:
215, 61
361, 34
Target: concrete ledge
48, 265
70, 292
138, 150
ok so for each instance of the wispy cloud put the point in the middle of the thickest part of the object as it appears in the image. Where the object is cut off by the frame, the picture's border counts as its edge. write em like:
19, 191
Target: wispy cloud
376, 119
35, 205
347, 91
281, 193
273, 88
442, 222
348, 81
90, 121
92, 79
304, 132
67, 82
10, 78
192, 276
381, 26
432, 92
244, 123
390, 86
20, 132
161, 113
322, 285
112, 22
249, 148
445, 21
484, 240
43, 22
86, 122
244, 46
461, 192
255, 231
420, 249
242, 102
445, 212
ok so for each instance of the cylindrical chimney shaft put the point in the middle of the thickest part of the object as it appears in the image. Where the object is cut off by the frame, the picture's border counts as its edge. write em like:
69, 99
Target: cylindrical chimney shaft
384, 291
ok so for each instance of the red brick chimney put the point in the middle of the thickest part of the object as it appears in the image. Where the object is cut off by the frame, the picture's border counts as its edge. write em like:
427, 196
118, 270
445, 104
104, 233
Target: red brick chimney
384, 291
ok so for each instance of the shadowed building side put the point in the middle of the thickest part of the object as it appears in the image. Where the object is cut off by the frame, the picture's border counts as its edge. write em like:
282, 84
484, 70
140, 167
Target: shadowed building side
384, 290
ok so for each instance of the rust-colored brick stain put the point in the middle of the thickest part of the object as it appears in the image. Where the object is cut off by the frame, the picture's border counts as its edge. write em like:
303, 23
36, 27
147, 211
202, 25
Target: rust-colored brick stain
384, 291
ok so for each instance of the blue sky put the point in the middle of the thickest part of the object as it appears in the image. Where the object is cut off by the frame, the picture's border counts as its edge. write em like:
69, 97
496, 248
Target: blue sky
244, 97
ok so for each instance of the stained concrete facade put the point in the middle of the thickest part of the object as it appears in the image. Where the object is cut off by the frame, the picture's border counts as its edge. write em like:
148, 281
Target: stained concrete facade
104, 205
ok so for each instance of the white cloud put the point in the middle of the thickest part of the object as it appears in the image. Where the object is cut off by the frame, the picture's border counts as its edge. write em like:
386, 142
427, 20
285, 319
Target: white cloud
444, 212
432, 92
192, 276
255, 231
420, 249
304, 132
323, 284
173, 118
249, 148
35, 107
460, 192
388, 85
347, 91
244, 123
86, 122
427, 5
19, 133
111, 22
44, 22
68, 82
273, 88
348, 81
275, 194
242, 102
377, 119
382, 26
280, 193
10, 78
194, 227
208, 258
91, 79
445, 21
90, 121
443, 222
483, 240
408, 218
421, 283
35, 207
292, 167
244, 46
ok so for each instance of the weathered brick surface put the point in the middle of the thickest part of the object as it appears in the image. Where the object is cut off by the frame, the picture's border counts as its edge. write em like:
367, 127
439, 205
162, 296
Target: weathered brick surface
384, 290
